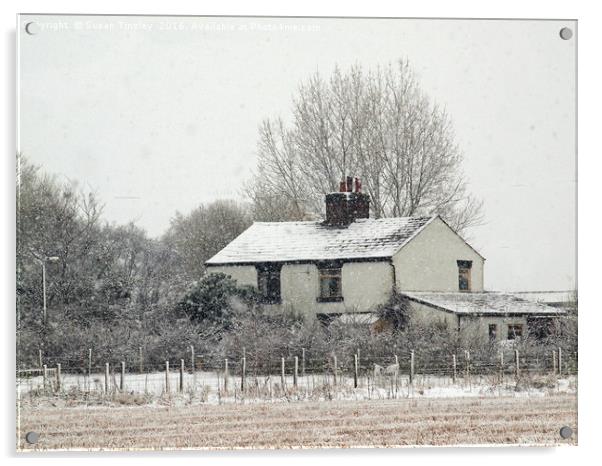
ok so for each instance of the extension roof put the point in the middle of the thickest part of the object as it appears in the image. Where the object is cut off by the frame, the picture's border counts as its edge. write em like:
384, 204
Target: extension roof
485, 303
363, 239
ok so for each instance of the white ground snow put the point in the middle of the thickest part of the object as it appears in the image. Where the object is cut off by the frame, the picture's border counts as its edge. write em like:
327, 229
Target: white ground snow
209, 387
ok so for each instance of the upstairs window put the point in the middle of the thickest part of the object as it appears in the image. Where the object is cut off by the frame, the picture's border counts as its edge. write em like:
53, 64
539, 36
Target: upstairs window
464, 278
330, 284
268, 282
515, 331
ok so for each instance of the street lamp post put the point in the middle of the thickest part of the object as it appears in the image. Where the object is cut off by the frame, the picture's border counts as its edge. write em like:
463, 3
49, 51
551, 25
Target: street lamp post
43, 262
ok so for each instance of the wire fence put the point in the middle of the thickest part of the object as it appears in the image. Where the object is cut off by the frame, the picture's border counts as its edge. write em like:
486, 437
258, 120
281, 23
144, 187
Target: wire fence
237, 378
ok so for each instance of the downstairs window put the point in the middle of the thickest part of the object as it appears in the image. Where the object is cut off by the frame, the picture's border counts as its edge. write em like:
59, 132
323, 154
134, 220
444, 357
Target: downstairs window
268, 282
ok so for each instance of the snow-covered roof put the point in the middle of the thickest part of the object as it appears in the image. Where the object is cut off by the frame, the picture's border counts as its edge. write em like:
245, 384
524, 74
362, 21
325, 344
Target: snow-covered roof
313, 241
547, 297
483, 303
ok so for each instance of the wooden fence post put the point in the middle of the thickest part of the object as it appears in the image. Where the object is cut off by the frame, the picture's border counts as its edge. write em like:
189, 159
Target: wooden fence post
467, 363
334, 371
182, 367
45, 376
89, 362
107, 378
501, 366
396, 374
140, 360
554, 363
296, 372
122, 379
559, 361
454, 367
355, 370
226, 376
243, 374
167, 388
517, 362
303, 362
40, 362
282, 373
411, 367
193, 366
58, 377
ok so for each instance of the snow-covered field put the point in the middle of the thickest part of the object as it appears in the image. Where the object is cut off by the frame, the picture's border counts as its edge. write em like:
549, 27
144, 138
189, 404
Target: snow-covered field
209, 387
387, 411
342, 424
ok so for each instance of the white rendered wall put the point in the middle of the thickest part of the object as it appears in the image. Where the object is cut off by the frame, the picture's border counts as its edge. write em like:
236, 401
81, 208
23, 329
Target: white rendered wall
365, 285
429, 261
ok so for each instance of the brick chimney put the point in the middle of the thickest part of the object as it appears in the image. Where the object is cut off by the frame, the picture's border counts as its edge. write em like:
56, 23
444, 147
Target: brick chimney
348, 204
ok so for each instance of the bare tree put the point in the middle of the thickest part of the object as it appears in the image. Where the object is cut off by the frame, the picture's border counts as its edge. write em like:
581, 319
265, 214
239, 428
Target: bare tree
197, 236
376, 124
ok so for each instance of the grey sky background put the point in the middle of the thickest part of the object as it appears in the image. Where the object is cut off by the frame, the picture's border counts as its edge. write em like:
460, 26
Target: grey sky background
158, 115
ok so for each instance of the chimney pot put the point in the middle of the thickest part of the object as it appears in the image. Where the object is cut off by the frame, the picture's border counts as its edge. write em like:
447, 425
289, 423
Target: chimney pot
346, 206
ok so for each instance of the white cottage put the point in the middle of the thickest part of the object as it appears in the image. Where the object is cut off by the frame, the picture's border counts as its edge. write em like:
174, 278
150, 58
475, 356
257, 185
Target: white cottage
350, 263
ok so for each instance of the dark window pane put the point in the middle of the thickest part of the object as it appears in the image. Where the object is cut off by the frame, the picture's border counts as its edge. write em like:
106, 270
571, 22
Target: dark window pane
335, 287
515, 331
262, 284
273, 286
464, 264
324, 292
268, 283
330, 283
464, 279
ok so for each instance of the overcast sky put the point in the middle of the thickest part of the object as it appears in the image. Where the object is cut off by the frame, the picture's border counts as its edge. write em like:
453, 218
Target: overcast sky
158, 115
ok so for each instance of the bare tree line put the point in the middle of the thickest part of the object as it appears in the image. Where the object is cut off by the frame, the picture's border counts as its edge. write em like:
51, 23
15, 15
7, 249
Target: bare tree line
104, 284
377, 124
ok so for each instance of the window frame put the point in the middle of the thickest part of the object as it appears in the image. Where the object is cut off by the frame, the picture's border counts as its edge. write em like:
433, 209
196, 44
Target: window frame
464, 274
329, 271
512, 335
266, 273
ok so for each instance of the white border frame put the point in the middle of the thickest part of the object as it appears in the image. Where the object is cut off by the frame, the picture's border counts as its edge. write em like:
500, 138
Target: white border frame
589, 235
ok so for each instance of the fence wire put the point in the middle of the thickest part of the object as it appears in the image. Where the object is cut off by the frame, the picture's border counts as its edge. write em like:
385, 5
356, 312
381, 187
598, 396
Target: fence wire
200, 375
